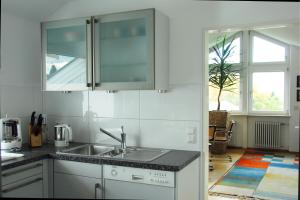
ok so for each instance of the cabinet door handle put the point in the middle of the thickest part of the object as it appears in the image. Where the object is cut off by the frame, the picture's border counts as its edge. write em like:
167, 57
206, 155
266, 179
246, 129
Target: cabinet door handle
21, 170
95, 49
88, 54
93, 53
97, 186
22, 185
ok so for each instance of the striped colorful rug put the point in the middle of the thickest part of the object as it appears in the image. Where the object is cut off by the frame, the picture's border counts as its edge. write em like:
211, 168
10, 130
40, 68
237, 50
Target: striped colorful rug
262, 175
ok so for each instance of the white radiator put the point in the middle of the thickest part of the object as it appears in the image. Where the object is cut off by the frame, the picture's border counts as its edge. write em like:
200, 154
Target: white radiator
235, 140
267, 134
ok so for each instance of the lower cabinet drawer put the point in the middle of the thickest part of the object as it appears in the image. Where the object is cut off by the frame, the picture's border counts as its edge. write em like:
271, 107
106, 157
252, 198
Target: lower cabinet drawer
31, 187
21, 172
77, 168
76, 187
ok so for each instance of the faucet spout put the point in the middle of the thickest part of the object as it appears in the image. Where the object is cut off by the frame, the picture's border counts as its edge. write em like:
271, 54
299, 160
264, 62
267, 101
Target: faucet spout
122, 140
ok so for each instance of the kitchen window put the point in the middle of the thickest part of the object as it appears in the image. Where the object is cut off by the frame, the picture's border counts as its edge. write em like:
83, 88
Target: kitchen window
231, 98
263, 87
268, 79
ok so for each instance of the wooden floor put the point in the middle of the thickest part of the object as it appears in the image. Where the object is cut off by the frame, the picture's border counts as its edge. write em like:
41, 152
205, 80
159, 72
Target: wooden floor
221, 166
222, 198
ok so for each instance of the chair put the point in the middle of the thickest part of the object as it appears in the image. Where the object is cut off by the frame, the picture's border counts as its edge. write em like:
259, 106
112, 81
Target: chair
211, 134
221, 139
218, 118
225, 135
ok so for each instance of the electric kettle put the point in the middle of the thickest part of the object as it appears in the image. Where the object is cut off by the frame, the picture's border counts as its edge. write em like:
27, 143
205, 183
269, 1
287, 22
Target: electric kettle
62, 135
10, 133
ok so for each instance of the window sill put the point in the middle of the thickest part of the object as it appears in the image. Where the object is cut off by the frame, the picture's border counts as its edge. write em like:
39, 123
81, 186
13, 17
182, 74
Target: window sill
259, 115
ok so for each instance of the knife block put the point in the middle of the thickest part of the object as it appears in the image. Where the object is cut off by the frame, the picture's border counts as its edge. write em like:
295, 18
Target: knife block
34, 140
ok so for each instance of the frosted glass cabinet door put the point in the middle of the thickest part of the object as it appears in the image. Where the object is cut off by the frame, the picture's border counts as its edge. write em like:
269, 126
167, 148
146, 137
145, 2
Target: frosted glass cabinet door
124, 50
65, 53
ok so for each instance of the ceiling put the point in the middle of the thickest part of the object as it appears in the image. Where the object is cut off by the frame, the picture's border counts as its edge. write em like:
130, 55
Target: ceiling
39, 10
287, 33
32, 9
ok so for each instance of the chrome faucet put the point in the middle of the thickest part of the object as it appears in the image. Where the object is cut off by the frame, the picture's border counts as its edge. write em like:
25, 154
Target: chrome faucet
122, 140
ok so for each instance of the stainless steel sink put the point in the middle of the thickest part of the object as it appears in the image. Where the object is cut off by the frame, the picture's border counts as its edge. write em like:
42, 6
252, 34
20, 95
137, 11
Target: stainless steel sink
138, 154
134, 154
89, 150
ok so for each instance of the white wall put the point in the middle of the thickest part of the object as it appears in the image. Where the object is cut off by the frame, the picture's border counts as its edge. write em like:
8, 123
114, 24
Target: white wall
295, 106
20, 68
243, 133
284, 130
160, 120
20, 73
150, 119
154, 118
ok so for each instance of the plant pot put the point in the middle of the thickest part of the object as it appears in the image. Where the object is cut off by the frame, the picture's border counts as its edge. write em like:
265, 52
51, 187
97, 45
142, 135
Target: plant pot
218, 118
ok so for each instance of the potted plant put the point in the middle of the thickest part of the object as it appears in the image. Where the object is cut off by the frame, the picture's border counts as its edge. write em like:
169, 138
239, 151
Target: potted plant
222, 76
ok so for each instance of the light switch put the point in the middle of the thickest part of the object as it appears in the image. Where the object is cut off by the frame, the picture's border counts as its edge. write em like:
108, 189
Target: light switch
191, 135
190, 130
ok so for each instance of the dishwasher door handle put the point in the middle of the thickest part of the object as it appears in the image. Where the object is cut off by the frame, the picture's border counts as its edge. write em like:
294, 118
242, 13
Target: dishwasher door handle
97, 186
137, 177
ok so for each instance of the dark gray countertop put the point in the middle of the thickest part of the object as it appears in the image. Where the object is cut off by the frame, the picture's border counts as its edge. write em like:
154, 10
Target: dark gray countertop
174, 160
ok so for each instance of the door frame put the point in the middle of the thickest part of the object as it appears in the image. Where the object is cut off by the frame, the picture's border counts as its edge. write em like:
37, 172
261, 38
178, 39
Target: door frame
204, 159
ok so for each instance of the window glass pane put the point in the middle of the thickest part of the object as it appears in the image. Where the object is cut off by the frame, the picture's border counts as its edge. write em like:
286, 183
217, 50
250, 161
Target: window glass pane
266, 51
230, 100
268, 91
234, 58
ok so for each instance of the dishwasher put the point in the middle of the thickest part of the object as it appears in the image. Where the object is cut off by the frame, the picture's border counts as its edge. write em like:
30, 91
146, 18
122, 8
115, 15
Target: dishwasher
136, 183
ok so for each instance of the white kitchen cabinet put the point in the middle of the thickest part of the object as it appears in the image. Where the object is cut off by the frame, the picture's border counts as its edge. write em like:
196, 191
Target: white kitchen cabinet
31, 187
76, 187
131, 50
121, 51
77, 180
27, 181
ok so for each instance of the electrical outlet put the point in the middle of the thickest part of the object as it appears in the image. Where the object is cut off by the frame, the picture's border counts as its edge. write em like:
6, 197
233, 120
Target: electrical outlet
191, 135
191, 139
44, 119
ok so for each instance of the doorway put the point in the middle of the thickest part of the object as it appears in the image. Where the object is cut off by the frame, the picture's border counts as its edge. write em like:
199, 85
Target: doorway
246, 104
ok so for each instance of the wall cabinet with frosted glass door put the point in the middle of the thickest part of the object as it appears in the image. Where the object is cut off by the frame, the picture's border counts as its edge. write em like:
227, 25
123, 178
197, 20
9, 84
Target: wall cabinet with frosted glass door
65, 45
120, 51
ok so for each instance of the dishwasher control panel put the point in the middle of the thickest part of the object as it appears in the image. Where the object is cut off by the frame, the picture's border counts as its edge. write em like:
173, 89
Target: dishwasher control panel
138, 175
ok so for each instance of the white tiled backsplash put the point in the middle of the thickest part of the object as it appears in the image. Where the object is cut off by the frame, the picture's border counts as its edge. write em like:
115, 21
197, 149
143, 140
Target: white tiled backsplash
150, 119
20, 101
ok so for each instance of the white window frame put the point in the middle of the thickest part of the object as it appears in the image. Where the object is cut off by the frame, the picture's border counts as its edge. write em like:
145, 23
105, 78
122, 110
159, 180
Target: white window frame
272, 40
268, 67
239, 65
